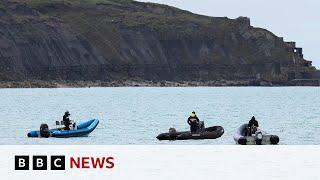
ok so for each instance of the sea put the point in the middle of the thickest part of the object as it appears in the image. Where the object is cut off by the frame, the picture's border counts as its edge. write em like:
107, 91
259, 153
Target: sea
136, 115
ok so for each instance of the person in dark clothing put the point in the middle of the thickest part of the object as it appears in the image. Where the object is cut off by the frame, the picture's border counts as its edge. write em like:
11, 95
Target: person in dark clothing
66, 120
193, 121
252, 126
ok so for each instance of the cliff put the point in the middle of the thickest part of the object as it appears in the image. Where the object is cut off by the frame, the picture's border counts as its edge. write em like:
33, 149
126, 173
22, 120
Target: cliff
116, 40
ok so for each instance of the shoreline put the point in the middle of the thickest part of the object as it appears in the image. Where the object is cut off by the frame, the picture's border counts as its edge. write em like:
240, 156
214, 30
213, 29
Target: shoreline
120, 83
145, 83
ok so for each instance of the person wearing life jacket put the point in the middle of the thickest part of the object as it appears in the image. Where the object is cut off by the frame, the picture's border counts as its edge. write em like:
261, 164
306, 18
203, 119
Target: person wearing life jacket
66, 120
193, 121
252, 126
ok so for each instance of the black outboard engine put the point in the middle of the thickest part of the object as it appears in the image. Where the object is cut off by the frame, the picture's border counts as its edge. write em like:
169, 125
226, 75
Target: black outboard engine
44, 130
172, 133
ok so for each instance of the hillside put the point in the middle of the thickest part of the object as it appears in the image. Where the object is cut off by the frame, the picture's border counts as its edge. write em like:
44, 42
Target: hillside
121, 40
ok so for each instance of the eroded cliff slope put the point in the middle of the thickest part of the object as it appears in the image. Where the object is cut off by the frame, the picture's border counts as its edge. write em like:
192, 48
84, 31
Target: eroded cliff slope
121, 39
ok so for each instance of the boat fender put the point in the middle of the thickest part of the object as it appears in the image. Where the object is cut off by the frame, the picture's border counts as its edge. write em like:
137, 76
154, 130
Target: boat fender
242, 141
274, 139
44, 130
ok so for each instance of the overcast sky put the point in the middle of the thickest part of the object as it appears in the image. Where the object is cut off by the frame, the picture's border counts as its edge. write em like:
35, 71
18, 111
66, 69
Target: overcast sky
292, 19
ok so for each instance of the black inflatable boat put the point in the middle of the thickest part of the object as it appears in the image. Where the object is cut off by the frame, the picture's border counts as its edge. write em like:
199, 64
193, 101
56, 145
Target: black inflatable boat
203, 133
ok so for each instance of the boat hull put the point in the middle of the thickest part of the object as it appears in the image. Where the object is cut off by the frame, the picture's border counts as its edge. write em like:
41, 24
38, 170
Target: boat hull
83, 129
208, 133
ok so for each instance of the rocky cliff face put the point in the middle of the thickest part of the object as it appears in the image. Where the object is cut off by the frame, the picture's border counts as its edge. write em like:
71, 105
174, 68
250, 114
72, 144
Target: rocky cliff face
113, 40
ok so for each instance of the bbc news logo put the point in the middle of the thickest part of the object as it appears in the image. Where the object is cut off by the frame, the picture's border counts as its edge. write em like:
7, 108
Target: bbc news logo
40, 162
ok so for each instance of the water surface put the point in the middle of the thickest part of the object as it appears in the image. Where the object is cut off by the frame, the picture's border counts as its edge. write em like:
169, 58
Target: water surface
136, 115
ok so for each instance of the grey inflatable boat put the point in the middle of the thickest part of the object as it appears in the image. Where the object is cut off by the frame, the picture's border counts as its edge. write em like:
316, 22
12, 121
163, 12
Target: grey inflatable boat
259, 138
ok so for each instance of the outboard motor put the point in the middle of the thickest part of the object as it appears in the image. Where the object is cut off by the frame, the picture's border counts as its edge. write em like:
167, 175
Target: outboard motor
172, 133
44, 130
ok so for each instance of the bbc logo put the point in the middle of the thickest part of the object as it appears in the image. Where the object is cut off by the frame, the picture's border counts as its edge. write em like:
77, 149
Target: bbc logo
39, 163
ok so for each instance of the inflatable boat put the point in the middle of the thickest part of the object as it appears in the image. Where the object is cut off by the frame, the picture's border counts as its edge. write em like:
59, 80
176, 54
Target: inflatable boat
259, 138
83, 129
203, 133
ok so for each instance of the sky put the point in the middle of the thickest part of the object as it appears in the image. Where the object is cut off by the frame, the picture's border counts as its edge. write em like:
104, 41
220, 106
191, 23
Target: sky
291, 19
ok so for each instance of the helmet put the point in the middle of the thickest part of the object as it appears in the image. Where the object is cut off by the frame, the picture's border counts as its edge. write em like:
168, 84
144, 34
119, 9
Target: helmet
67, 113
193, 114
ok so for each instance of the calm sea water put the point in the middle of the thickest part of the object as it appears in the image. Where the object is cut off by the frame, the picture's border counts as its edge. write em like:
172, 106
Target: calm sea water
134, 115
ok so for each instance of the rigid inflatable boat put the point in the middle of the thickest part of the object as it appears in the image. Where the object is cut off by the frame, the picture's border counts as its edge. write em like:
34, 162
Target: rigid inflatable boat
259, 138
83, 129
203, 133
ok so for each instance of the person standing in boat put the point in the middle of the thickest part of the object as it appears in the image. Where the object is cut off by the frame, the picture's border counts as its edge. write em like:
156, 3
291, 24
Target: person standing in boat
66, 120
193, 121
252, 126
